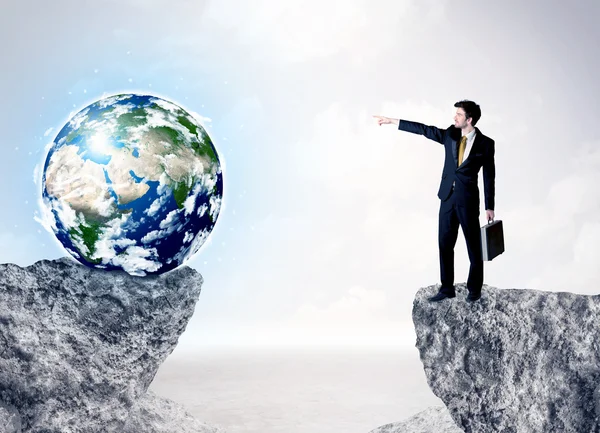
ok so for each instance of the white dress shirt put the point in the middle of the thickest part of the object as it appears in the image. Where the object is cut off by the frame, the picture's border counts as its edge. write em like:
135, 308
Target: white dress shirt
468, 147
470, 140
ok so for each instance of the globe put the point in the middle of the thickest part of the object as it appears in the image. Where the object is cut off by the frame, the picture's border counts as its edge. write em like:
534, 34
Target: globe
134, 183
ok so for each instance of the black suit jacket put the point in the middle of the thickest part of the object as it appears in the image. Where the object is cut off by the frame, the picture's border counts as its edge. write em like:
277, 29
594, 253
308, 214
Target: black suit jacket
465, 176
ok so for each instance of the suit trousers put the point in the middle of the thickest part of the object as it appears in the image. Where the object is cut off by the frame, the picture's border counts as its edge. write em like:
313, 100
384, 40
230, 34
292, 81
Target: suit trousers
450, 217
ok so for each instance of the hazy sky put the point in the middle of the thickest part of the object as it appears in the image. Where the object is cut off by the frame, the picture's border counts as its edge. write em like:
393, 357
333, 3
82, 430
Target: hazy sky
329, 225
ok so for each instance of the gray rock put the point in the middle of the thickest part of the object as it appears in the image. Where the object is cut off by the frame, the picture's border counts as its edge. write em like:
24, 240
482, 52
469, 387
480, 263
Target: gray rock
154, 414
10, 420
432, 420
515, 361
79, 346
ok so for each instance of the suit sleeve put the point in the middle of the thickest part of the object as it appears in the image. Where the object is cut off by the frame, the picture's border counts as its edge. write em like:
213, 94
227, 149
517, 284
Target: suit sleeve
489, 177
431, 132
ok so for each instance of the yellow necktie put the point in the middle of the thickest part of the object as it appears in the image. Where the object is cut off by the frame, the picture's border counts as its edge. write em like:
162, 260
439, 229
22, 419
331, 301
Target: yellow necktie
461, 149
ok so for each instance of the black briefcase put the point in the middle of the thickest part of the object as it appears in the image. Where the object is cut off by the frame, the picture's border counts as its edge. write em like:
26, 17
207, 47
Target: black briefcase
492, 240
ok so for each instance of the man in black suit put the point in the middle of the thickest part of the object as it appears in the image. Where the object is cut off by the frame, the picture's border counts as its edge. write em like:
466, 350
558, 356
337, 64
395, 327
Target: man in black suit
467, 150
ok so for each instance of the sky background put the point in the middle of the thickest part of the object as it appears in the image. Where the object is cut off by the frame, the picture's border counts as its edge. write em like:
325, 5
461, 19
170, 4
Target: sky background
329, 224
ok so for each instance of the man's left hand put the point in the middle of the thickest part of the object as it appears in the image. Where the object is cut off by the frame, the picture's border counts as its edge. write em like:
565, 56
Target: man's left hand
489, 214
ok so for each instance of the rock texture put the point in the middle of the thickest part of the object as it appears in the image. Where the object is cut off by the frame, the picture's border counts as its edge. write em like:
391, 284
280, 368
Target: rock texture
154, 414
80, 346
432, 420
516, 361
10, 420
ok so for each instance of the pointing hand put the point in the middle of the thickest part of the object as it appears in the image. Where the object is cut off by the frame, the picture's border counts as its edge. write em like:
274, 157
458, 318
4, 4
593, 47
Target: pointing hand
382, 120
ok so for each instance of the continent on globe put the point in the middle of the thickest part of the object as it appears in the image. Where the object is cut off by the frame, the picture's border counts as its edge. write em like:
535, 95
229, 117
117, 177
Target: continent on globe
134, 183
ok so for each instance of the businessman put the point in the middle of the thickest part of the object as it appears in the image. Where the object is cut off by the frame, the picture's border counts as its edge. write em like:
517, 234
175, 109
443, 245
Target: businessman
467, 150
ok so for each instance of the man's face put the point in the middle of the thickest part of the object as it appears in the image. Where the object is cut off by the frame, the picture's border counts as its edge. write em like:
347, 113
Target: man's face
460, 119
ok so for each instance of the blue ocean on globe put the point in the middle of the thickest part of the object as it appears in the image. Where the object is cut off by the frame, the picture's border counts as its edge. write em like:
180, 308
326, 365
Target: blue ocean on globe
134, 183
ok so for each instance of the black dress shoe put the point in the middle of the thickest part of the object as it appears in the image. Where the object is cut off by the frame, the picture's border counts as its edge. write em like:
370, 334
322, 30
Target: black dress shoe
472, 298
440, 296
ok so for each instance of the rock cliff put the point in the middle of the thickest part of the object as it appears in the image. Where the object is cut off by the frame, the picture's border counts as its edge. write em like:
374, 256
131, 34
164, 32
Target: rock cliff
80, 346
432, 420
516, 361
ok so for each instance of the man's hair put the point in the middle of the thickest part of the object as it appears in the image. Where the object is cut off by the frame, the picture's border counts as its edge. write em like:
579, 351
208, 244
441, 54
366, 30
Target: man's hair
472, 110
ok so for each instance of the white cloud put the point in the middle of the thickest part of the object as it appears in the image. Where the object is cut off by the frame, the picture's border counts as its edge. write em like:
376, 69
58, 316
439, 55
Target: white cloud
117, 111
65, 214
46, 218
350, 154
166, 105
110, 100
215, 206
190, 201
138, 260
37, 174
586, 254
169, 219
576, 268
78, 119
550, 242
202, 210
357, 318
113, 229
300, 30
168, 225
153, 235
73, 253
37, 170
203, 120
359, 305
187, 251
570, 196
156, 204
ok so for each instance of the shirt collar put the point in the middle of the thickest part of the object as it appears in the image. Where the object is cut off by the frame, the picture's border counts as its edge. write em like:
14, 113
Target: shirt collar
470, 135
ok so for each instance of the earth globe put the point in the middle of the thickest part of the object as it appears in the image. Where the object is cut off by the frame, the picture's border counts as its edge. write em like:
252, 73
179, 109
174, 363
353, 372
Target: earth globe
132, 182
